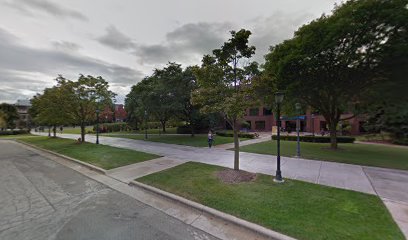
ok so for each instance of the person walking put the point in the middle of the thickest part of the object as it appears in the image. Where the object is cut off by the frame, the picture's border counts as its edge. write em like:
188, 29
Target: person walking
210, 139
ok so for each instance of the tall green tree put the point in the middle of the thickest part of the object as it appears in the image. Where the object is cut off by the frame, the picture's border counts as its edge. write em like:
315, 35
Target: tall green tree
10, 114
336, 60
85, 95
52, 108
224, 82
164, 95
3, 123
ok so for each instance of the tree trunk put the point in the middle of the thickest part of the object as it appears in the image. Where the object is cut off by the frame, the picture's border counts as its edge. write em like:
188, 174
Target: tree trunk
163, 126
54, 130
49, 131
236, 146
192, 130
333, 134
82, 132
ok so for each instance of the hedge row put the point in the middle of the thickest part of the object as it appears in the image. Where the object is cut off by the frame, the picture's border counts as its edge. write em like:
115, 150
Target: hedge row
187, 130
241, 134
400, 141
317, 139
14, 132
112, 127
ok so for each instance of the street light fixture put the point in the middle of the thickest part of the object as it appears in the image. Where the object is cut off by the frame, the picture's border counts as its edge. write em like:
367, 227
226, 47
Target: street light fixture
298, 107
97, 125
145, 117
313, 133
99, 101
278, 100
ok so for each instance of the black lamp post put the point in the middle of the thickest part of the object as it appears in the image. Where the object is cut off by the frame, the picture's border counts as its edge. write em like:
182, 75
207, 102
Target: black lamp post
313, 133
145, 117
97, 126
298, 107
278, 101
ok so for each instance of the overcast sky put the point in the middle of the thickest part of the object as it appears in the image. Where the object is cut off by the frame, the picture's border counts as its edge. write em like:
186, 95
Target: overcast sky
123, 41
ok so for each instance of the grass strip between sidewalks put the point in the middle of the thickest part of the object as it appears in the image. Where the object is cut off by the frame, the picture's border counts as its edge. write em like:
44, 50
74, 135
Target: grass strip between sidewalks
352, 153
295, 208
198, 140
102, 156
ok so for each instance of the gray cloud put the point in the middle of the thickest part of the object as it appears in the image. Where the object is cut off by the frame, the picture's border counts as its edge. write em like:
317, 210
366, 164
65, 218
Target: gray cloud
115, 39
189, 42
25, 70
28, 6
269, 31
66, 46
185, 44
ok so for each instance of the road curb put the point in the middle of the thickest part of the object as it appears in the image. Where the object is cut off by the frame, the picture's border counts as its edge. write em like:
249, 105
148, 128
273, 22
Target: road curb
224, 216
90, 166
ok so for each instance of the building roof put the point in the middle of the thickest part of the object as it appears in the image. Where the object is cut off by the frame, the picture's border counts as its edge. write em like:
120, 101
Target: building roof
23, 103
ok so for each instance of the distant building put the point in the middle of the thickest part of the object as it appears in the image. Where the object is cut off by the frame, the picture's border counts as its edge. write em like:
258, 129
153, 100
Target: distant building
22, 106
262, 119
115, 114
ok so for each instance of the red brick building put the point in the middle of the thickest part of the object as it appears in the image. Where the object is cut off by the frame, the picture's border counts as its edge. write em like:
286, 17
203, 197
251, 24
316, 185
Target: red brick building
261, 120
118, 114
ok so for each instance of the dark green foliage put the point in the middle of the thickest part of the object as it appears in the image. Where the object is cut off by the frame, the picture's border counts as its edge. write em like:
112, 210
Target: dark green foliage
187, 130
240, 134
334, 62
316, 139
9, 113
14, 132
112, 127
224, 82
163, 95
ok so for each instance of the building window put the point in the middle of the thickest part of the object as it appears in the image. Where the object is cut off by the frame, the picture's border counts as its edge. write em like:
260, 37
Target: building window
267, 112
254, 112
323, 125
260, 125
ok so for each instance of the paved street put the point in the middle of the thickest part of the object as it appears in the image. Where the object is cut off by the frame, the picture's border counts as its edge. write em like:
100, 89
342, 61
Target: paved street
347, 176
42, 199
390, 185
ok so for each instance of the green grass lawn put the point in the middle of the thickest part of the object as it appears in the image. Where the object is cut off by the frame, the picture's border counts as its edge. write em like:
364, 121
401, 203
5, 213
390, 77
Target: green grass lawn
353, 153
73, 130
199, 140
295, 208
17, 136
102, 156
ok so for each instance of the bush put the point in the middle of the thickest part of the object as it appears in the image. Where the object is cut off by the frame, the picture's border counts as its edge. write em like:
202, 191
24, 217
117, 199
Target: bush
317, 139
112, 127
400, 141
241, 134
14, 132
187, 130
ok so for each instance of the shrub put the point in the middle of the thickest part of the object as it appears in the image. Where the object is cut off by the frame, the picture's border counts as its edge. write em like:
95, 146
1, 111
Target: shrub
112, 127
317, 139
400, 141
14, 132
187, 130
241, 134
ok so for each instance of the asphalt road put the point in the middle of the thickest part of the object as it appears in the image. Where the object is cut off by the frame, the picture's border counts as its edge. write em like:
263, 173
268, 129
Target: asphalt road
41, 199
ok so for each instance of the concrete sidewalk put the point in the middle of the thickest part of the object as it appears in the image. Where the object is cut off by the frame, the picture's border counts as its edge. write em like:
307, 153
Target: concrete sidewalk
390, 185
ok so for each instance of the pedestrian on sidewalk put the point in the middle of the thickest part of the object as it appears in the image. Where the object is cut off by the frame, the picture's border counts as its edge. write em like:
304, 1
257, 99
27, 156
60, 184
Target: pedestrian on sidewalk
210, 138
61, 129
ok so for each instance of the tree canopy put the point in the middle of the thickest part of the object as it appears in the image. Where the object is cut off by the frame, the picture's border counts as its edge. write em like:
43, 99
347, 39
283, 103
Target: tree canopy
9, 115
72, 102
224, 82
337, 59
